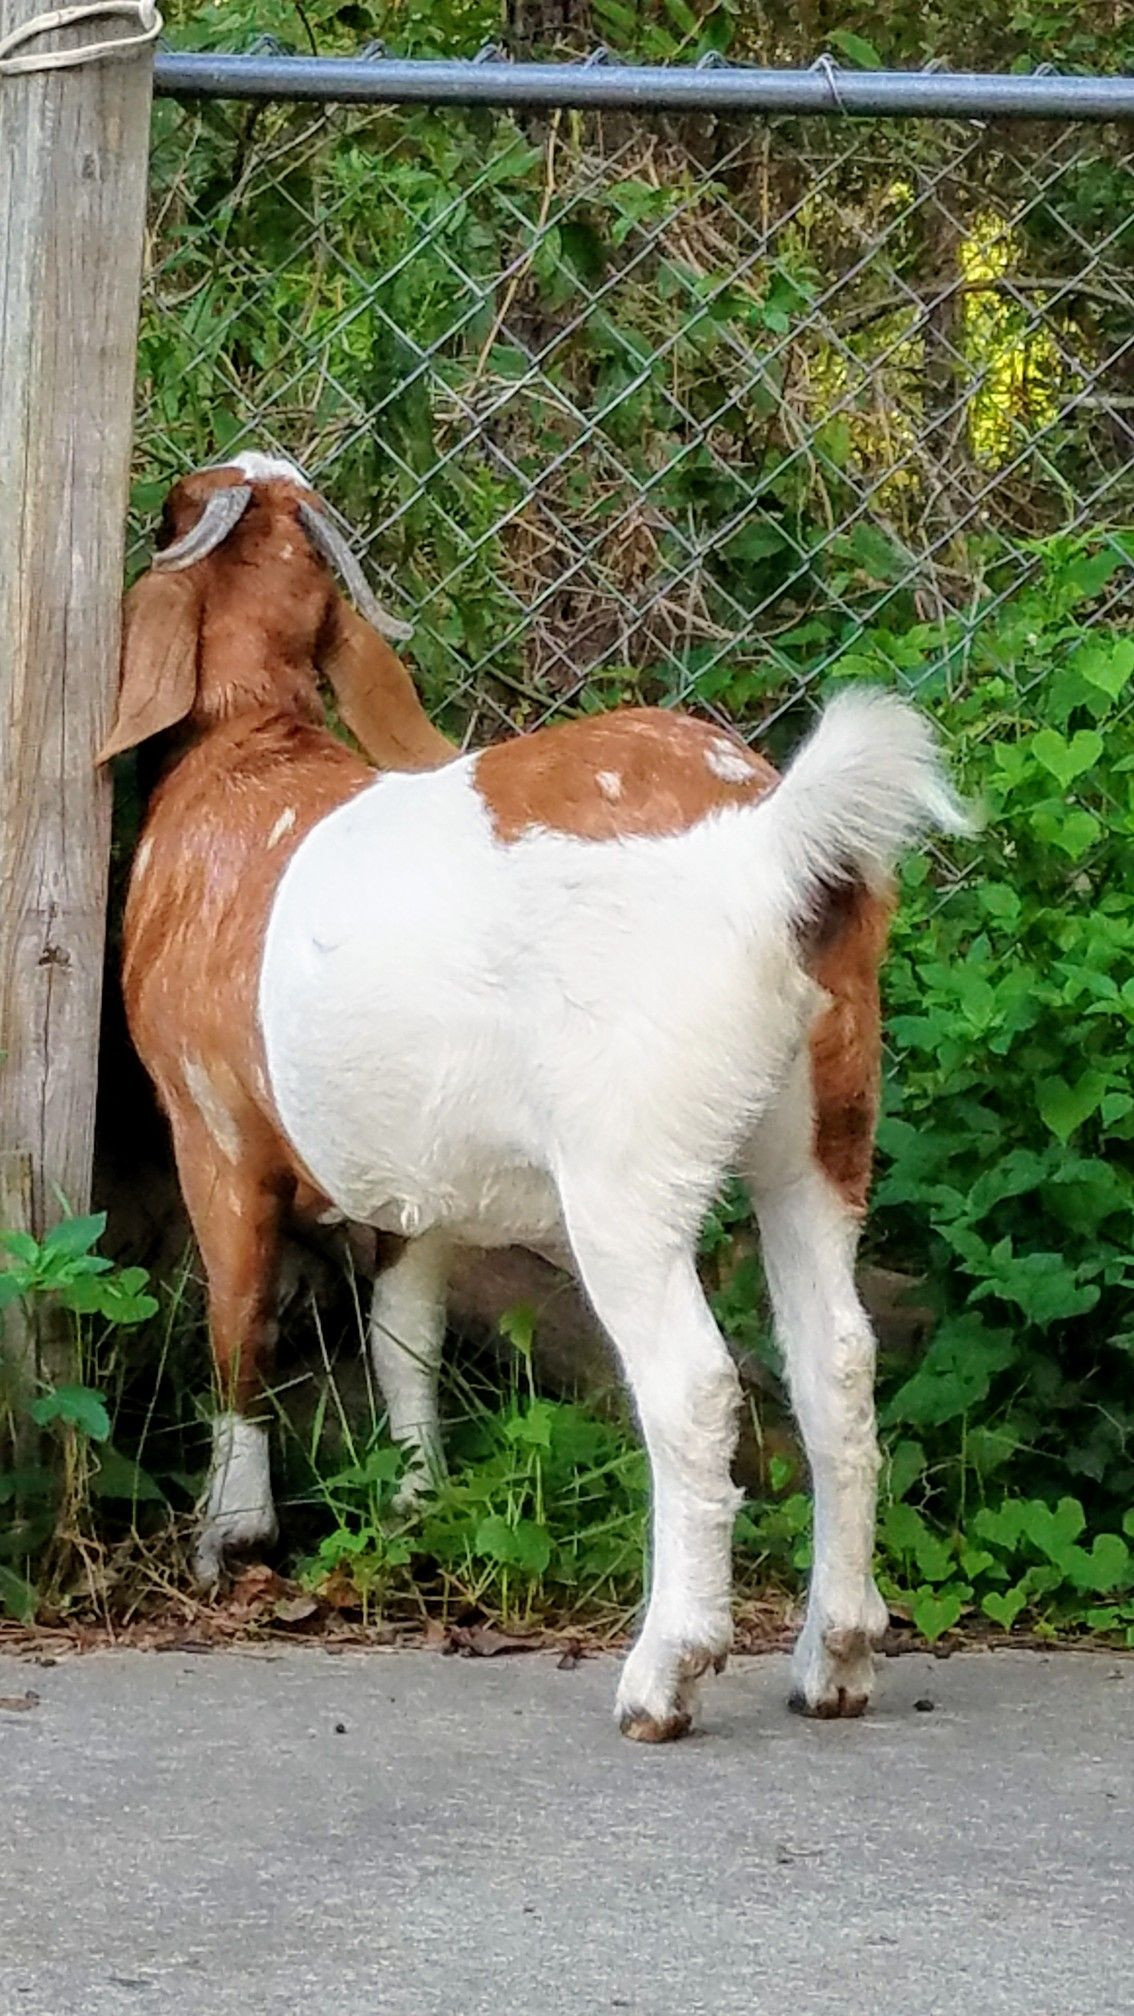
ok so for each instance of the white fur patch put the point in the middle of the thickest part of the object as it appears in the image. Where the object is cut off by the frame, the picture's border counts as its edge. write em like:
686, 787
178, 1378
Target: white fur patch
283, 825
259, 468
237, 1510
489, 1014
142, 858
407, 1333
609, 783
211, 1107
728, 762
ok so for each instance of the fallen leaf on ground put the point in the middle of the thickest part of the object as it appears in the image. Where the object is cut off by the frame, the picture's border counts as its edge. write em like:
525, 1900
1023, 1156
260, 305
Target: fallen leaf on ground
294, 1609
484, 1641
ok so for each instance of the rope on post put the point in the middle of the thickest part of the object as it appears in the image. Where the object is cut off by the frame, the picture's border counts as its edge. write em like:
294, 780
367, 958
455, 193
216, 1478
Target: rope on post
144, 12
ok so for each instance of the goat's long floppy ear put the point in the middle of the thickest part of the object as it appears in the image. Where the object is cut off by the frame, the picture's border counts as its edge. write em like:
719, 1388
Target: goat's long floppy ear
161, 619
377, 698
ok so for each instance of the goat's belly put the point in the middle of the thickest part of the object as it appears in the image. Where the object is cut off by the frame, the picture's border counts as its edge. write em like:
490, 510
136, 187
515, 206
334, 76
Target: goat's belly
499, 1207
388, 1028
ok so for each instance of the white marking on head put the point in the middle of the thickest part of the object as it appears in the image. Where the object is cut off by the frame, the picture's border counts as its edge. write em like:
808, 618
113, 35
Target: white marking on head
728, 762
142, 857
257, 468
609, 783
211, 1107
283, 825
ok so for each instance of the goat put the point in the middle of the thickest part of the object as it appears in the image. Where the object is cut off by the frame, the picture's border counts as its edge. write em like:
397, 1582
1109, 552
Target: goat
546, 994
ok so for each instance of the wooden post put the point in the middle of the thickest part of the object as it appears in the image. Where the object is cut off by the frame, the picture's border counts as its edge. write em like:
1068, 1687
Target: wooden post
73, 159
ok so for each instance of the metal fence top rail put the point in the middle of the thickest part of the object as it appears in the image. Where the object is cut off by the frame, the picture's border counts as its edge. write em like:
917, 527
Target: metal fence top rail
602, 84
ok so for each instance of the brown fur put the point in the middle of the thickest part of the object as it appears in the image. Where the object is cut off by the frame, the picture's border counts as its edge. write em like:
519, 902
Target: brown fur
253, 626
846, 1042
665, 784
193, 932
224, 660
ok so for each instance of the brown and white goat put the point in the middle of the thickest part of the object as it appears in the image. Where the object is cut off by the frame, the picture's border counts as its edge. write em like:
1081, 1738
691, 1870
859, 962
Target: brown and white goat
544, 995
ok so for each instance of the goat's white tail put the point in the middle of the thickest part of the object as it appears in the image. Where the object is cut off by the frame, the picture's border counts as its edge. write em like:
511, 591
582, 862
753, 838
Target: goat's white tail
867, 782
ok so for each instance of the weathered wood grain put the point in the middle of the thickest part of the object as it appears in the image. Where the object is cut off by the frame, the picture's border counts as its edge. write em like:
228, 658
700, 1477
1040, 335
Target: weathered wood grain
73, 157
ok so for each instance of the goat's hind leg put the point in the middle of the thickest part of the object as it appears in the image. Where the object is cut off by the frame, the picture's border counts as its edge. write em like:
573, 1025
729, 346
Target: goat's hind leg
644, 1287
809, 1233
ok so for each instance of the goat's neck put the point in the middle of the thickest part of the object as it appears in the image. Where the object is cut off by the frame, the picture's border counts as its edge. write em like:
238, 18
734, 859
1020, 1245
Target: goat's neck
255, 665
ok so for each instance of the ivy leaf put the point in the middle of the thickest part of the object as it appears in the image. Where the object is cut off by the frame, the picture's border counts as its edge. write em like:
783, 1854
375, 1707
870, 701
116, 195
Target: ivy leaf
935, 1611
1001, 1524
856, 47
531, 1546
1065, 1107
1067, 760
17, 1597
1105, 1568
907, 1463
119, 1476
1071, 828
1106, 663
954, 1375
975, 1560
1053, 1532
493, 1541
1004, 1609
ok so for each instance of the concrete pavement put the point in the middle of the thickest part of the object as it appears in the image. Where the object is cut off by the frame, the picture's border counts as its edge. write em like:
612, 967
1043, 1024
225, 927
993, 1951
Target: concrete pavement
284, 1832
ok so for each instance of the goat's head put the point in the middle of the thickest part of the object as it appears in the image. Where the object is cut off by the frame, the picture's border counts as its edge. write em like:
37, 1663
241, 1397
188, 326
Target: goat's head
240, 611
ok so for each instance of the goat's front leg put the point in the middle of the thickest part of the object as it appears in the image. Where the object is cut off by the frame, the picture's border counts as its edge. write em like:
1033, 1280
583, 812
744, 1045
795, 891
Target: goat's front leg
809, 1237
407, 1337
235, 1206
646, 1293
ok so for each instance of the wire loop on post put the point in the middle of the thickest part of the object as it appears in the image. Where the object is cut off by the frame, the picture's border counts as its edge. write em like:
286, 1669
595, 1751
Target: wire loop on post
144, 12
828, 70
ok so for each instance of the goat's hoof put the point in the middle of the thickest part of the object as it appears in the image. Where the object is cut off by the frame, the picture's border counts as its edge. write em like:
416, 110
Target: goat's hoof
841, 1706
226, 1536
643, 1728
834, 1671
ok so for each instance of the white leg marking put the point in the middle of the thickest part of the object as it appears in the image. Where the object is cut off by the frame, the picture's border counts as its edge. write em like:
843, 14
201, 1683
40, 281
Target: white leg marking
407, 1336
809, 1237
685, 1387
237, 1509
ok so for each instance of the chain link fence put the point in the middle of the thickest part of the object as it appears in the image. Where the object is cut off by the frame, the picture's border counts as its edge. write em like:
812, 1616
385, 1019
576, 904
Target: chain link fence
691, 411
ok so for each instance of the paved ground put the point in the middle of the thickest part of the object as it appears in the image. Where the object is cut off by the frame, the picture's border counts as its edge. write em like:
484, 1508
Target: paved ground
194, 1836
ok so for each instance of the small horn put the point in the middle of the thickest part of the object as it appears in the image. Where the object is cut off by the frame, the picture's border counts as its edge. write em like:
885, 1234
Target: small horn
329, 542
224, 509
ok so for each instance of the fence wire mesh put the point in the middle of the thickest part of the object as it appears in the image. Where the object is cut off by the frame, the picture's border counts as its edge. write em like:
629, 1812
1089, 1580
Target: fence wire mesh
692, 412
